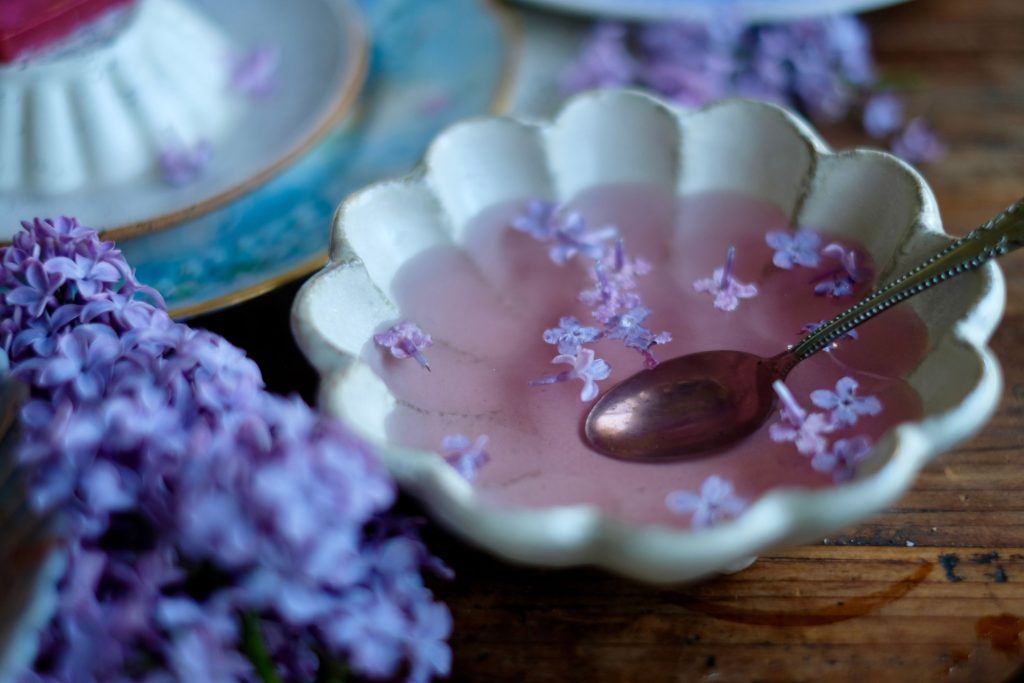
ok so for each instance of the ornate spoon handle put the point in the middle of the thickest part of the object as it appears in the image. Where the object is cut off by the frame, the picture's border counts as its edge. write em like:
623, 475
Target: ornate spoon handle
1000, 235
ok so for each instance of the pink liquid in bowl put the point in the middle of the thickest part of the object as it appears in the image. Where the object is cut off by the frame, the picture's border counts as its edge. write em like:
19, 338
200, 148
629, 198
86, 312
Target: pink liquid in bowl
487, 303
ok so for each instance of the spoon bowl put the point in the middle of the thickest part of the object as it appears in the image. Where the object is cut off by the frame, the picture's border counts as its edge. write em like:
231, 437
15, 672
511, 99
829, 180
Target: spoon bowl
688, 406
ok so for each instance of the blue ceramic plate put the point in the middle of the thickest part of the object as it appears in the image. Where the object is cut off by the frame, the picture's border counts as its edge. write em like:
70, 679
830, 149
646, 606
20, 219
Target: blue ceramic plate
423, 76
750, 10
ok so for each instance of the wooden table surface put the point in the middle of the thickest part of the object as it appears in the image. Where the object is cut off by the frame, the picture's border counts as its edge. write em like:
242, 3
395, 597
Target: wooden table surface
931, 589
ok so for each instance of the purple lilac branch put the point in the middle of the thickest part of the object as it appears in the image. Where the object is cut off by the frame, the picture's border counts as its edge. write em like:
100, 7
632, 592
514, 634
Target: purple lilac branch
191, 497
821, 67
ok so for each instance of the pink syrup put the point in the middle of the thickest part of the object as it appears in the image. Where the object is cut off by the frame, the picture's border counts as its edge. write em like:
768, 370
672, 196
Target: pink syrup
488, 301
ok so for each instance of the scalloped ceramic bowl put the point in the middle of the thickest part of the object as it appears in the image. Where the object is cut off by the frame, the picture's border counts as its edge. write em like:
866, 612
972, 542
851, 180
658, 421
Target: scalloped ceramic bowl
625, 137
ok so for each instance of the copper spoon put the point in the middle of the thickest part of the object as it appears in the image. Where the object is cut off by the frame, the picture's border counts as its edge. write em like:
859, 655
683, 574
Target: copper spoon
704, 401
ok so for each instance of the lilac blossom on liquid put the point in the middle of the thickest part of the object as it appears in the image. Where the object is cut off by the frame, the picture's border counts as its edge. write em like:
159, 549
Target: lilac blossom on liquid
724, 287
716, 502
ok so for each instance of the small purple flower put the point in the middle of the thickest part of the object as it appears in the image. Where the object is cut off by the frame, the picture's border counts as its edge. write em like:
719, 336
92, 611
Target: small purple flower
89, 275
609, 295
799, 248
538, 220
845, 404
726, 289
570, 335
38, 291
716, 503
253, 72
883, 115
180, 164
570, 234
572, 237
585, 367
803, 429
467, 457
843, 459
918, 143
82, 360
814, 327
629, 328
841, 280
405, 340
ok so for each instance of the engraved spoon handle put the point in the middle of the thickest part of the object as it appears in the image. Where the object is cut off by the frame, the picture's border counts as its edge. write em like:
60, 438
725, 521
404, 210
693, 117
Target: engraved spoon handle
1000, 235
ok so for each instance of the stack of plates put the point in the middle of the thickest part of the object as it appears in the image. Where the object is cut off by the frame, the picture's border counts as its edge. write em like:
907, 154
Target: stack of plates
339, 114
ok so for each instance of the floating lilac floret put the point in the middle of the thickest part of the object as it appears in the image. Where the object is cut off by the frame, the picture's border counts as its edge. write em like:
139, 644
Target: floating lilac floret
814, 327
465, 455
629, 328
585, 367
842, 460
180, 164
571, 334
614, 290
572, 236
726, 289
405, 340
253, 73
716, 502
800, 248
537, 220
569, 232
841, 280
805, 430
845, 404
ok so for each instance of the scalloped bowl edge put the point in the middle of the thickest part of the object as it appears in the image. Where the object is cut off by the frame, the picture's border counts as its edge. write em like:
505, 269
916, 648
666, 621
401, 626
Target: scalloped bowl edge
579, 535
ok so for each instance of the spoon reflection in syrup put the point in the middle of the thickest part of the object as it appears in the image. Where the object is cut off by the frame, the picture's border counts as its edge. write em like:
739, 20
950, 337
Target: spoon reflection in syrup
705, 401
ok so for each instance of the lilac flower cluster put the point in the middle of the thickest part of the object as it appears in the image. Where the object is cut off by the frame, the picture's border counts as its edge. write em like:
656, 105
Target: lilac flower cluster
214, 531
808, 431
823, 67
715, 503
612, 296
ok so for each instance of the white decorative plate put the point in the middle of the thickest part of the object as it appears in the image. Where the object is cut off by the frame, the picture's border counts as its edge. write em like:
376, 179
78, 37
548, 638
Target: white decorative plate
621, 137
749, 10
81, 131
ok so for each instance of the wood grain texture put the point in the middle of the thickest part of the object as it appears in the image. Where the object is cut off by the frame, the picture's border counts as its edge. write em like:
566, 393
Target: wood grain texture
930, 590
